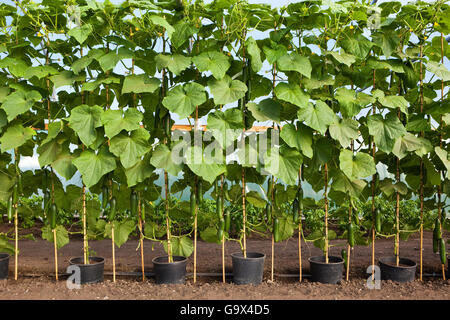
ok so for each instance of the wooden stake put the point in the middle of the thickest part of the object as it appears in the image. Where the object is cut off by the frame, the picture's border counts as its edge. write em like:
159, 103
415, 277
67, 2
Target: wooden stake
16, 241
141, 240
223, 258
169, 245
195, 242
300, 251
326, 211
244, 216
113, 252
85, 242
421, 170
56, 254
348, 261
443, 272
273, 252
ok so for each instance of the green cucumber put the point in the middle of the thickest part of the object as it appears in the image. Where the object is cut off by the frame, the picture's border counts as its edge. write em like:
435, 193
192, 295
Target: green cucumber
9, 209
193, 203
227, 216
105, 196
351, 234
112, 209
276, 229
377, 214
295, 210
133, 204
442, 252
53, 212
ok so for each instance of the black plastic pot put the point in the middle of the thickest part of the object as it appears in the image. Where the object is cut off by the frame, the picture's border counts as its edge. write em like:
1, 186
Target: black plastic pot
406, 272
4, 265
248, 270
169, 272
322, 272
92, 272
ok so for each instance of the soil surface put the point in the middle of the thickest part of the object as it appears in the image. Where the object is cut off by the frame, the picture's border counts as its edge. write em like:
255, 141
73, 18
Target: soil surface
36, 273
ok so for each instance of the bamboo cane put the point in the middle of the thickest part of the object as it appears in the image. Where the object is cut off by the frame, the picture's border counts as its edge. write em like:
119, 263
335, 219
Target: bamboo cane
56, 254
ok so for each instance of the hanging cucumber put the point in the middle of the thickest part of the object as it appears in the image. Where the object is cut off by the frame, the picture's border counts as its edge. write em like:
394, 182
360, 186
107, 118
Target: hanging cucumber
351, 235
269, 213
105, 196
199, 192
276, 229
219, 208
133, 203
295, 208
143, 211
44, 180
46, 201
221, 229
53, 212
225, 192
193, 200
269, 189
16, 194
377, 214
227, 217
344, 256
435, 245
442, 251
112, 208
9, 209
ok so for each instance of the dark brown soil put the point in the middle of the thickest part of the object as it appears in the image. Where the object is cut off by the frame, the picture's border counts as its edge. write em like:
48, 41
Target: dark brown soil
36, 273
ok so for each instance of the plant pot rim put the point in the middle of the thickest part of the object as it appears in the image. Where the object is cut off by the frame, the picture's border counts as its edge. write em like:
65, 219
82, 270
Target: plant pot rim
311, 259
101, 261
5, 256
382, 261
181, 260
240, 255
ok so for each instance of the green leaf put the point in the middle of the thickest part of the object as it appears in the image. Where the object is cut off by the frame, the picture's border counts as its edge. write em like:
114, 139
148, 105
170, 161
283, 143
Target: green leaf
181, 246
19, 102
387, 187
139, 172
406, 143
162, 158
204, 164
226, 90
84, 119
226, 126
275, 52
358, 46
81, 33
343, 57
344, 131
210, 235
115, 121
216, 62
39, 72
64, 78
295, 62
86, 60
283, 164
385, 131
439, 70
162, 22
286, 228
443, 155
140, 83
255, 199
182, 32
299, 138
62, 236
63, 164
356, 166
184, 98
350, 104
343, 183
266, 110
388, 41
93, 166
48, 152
292, 93
255, 54
15, 136
392, 102
176, 63
122, 230
130, 148
317, 117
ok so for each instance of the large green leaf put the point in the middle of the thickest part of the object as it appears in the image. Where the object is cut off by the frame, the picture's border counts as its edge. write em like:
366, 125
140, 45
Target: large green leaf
344, 131
122, 230
406, 143
343, 57
115, 121
15, 136
184, 98
63, 164
162, 158
387, 40
204, 164
19, 102
226, 126
266, 110
93, 166
39, 72
81, 33
181, 246
283, 163
358, 46
274, 52
385, 131
65, 78
392, 102
295, 62
182, 33
213, 61
439, 70
176, 63
162, 22
292, 93
255, 54
62, 236
139, 83
299, 138
443, 155
139, 172
226, 90
83, 120
48, 152
130, 148
286, 228
356, 166
344, 184
351, 104
317, 117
